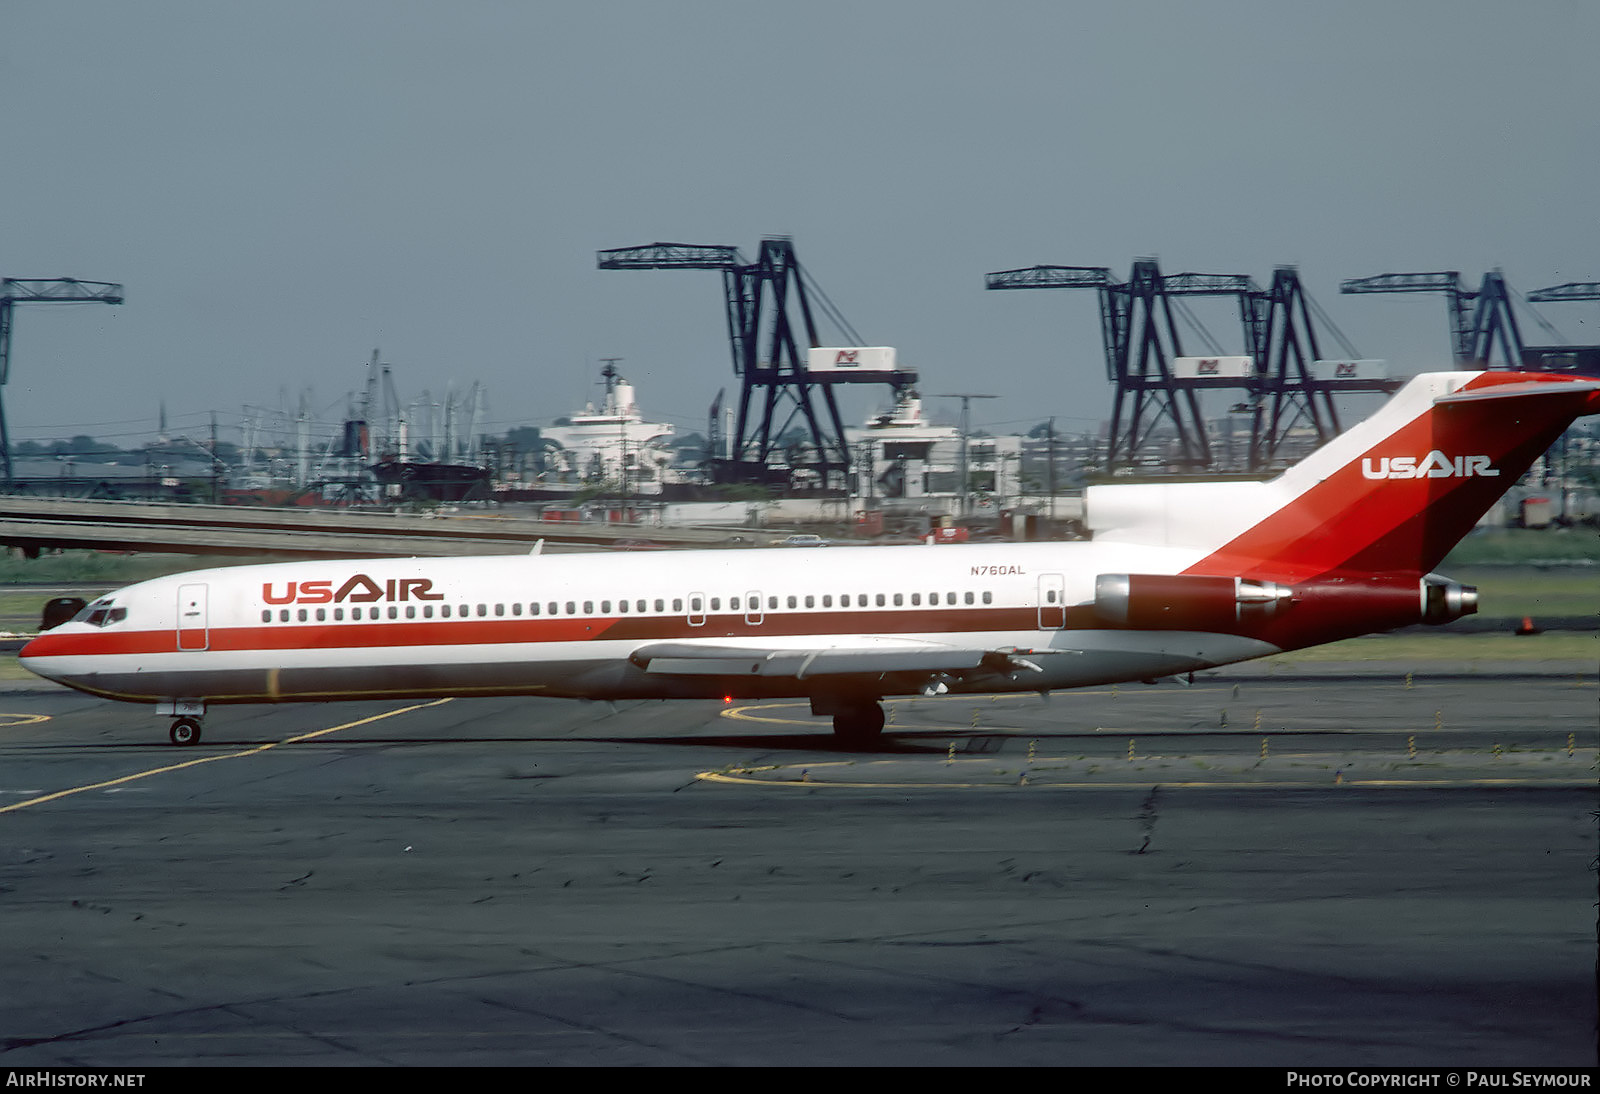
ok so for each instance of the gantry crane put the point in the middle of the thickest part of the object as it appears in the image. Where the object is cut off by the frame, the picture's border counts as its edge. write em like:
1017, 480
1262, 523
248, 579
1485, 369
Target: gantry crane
1281, 369
1579, 359
1133, 315
1480, 320
771, 296
55, 290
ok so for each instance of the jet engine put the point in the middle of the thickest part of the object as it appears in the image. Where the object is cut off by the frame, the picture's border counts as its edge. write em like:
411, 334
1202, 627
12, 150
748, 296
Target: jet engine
1186, 602
1444, 601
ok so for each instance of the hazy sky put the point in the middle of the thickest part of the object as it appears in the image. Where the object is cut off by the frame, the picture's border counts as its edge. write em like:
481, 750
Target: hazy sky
284, 186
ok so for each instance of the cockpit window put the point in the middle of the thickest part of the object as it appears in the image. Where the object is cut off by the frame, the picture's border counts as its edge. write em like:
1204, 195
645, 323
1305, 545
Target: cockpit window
102, 613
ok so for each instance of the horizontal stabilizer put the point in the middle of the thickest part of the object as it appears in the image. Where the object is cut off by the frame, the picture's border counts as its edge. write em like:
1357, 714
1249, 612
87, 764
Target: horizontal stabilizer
1514, 391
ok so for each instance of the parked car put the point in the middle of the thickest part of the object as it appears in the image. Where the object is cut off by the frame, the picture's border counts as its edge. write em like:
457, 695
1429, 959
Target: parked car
801, 541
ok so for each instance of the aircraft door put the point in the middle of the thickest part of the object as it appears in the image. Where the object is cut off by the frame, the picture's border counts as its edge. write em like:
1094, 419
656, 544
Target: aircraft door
752, 611
697, 609
193, 632
1052, 602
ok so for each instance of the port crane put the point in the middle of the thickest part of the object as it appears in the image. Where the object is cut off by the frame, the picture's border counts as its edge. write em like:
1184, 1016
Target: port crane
1484, 332
50, 290
772, 306
1156, 385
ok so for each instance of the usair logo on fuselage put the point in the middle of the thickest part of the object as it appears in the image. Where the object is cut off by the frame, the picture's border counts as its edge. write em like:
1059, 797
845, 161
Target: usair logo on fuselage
359, 589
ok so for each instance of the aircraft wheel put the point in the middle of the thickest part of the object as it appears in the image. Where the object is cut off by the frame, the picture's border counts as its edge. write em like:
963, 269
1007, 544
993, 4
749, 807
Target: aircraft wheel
185, 731
859, 727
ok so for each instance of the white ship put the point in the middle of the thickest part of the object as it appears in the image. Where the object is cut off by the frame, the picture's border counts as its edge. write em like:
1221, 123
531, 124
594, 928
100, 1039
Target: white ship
611, 443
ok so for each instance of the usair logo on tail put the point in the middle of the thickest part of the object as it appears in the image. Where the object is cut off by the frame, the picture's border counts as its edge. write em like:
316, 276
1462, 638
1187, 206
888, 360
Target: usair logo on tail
1435, 465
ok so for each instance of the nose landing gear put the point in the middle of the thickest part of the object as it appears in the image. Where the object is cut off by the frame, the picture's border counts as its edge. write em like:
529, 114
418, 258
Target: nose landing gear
185, 731
185, 715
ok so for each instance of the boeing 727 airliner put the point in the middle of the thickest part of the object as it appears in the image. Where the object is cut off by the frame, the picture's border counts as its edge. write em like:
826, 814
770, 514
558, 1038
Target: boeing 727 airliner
1176, 578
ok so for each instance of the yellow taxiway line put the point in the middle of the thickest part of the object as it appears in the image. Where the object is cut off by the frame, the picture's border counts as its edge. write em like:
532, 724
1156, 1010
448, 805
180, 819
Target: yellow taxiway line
42, 799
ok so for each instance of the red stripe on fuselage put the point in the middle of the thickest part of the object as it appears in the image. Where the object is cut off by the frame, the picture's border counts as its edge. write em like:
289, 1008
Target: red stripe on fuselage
487, 632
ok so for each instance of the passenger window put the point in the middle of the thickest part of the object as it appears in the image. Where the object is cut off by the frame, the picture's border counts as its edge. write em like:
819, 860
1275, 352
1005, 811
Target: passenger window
661, 605
968, 598
605, 607
533, 609
516, 609
716, 603
411, 611
772, 603
572, 607
394, 612
880, 600
622, 606
338, 614
827, 600
322, 614
266, 617
988, 598
500, 610
643, 606
811, 602
794, 602
899, 599
283, 615
949, 598
916, 599
588, 607
302, 614
677, 603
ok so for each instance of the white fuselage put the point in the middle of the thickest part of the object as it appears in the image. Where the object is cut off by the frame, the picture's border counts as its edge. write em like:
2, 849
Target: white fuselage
571, 624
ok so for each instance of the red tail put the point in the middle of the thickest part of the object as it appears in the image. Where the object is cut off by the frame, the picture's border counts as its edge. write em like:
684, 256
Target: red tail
1399, 490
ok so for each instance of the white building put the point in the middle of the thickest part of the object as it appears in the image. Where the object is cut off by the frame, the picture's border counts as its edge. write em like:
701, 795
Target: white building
903, 461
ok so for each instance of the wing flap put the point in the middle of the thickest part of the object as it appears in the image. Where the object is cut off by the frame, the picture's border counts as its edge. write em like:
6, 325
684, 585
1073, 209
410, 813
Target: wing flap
682, 659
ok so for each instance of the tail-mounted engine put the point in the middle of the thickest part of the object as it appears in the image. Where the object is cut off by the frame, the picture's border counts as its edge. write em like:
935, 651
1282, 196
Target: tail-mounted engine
1186, 602
1444, 601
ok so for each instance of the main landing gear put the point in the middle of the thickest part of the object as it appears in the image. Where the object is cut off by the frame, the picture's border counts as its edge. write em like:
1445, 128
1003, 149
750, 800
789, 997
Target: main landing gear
858, 725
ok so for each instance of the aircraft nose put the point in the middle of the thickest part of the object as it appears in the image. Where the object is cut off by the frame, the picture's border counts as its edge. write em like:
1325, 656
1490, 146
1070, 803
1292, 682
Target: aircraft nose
35, 653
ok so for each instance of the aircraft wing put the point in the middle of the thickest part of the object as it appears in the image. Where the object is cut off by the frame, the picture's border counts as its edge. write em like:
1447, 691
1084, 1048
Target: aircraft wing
688, 659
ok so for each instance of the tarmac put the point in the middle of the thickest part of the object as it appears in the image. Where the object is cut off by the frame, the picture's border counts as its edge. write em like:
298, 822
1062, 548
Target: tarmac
1340, 869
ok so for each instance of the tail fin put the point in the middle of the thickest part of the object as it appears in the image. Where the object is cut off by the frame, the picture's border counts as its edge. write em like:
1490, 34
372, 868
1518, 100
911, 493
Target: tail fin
1394, 493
